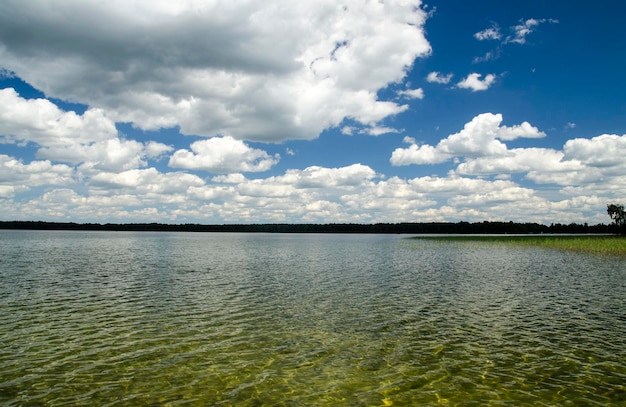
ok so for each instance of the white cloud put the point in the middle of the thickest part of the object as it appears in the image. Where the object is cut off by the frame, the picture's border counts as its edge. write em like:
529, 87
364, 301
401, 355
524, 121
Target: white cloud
491, 33
522, 30
321, 177
66, 204
415, 154
348, 130
353, 193
42, 122
223, 155
363, 199
525, 130
473, 82
147, 181
437, 77
478, 138
584, 167
313, 194
65, 136
604, 151
268, 72
7, 192
595, 164
380, 130
370, 130
14, 174
521, 160
412, 93
156, 150
394, 195
484, 199
110, 155
234, 178
264, 71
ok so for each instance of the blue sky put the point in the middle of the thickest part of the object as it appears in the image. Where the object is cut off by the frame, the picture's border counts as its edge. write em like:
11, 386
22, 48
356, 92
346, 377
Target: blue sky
312, 112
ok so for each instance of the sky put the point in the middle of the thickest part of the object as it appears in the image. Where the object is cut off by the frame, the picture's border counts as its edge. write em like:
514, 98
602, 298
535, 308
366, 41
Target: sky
321, 111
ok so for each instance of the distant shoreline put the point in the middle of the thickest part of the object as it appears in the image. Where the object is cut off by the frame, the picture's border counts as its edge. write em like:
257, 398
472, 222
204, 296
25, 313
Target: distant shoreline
376, 228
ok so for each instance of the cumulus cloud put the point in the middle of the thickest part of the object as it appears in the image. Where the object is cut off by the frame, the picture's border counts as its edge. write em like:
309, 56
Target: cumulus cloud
147, 181
475, 84
607, 150
314, 194
520, 160
15, 174
589, 166
265, 71
234, 71
64, 203
154, 149
525, 130
354, 193
480, 137
318, 177
437, 77
65, 136
234, 178
414, 154
42, 122
584, 167
223, 155
111, 155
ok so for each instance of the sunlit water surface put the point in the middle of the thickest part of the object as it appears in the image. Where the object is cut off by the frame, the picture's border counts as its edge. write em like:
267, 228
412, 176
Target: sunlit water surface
105, 318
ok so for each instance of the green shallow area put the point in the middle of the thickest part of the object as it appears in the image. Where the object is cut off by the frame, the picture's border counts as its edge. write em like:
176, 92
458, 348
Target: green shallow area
598, 244
182, 319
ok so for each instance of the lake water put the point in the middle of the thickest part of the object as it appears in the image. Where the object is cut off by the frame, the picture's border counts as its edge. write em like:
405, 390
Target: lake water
131, 319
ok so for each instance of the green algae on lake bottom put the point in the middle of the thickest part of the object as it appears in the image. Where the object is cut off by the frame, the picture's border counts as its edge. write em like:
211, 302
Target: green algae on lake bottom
142, 319
597, 244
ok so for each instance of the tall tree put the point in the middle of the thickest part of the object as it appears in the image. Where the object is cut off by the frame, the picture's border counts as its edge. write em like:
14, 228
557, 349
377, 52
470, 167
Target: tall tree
618, 215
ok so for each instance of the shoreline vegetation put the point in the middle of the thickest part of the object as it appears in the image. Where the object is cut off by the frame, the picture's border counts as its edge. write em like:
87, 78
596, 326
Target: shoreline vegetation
594, 244
596, 239
444, 228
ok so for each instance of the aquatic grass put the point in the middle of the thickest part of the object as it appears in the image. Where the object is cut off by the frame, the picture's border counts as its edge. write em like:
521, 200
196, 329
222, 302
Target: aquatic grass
595, 244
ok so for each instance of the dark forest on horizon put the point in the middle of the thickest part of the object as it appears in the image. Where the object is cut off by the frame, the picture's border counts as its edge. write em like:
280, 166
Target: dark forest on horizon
485, 227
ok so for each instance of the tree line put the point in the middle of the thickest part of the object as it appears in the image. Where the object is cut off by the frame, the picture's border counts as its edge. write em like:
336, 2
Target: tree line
486, 227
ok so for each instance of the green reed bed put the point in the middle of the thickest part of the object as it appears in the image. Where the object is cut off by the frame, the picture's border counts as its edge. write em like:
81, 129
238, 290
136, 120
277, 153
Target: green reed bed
597, 244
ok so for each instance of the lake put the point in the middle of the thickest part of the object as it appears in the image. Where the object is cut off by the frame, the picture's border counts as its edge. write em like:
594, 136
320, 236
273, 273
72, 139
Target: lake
195, 319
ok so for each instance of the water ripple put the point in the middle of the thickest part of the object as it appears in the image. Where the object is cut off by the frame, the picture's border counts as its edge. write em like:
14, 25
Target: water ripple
199, 319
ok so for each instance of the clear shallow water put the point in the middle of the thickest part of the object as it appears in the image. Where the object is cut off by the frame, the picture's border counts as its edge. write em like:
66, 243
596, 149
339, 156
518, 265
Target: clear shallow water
105, 318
